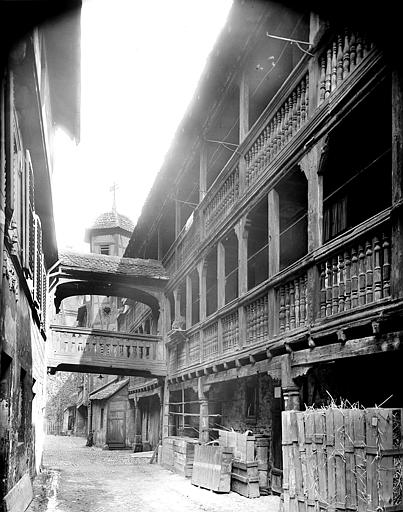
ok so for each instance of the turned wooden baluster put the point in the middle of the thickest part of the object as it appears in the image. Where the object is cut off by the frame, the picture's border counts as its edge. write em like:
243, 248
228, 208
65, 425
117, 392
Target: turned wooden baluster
369, 276
354, 278
328, 73
297, 305
298, 107
342, 285
266, 315
306, 295
353, 54
339, 59
304, 100
335, 287
287, 307
322, 290
281, 309
287, 133
329, 288
322, 80
386, 266
377, 277
346, 55
281, 131
302, 295
333, 84
361, 276
359, 49
294, 117
292, 306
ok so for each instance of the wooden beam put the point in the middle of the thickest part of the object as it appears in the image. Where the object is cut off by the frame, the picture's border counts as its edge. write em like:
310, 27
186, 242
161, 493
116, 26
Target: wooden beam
351, 348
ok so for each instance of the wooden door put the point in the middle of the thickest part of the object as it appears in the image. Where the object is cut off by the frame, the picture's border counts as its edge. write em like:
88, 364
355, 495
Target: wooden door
116, 429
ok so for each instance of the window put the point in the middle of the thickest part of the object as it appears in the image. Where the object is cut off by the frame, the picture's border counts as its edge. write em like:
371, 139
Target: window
104, 249
101, 424
251, 399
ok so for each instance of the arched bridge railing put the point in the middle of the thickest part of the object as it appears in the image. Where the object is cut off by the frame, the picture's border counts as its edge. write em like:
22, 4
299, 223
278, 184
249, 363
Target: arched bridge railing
86, 350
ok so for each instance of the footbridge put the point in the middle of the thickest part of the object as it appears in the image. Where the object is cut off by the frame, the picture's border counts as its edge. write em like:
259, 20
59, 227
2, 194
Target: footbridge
87, 350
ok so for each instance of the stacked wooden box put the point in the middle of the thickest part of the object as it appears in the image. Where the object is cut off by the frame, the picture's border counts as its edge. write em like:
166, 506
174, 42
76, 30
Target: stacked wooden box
212, 467
244, 476
178, 454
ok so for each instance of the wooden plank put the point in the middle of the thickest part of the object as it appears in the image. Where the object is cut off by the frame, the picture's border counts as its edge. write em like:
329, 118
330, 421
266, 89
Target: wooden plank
339, 440
20, 496
386, 464
212, 467
371, 430
319, 436
331, 462
310, 461
351, 472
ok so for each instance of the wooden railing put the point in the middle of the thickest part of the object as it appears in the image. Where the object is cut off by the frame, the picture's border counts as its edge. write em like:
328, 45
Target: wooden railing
353, 270
293, 303
78, 347
343, 54
281, 127
222, 200
357, 275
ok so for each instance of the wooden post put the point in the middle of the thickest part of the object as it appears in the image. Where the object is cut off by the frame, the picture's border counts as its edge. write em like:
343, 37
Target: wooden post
188, 302
202, 271
274, 232
397, 185
167, 424
203, 172
290, 390
204, 420
178, 220
220, 275
138, 446
311, 165
241, 232
243, 108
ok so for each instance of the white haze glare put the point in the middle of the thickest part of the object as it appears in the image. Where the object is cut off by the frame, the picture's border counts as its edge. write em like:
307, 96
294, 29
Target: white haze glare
140, 64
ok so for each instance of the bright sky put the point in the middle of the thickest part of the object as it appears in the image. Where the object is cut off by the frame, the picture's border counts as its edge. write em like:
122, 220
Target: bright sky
141, 61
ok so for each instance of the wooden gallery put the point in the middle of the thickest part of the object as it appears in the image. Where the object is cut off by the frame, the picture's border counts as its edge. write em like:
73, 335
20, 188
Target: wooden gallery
277, 215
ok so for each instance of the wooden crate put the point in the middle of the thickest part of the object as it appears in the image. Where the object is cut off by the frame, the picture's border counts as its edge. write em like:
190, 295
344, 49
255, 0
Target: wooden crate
212, 467
245, 478
243, 445
178, 454
344, 459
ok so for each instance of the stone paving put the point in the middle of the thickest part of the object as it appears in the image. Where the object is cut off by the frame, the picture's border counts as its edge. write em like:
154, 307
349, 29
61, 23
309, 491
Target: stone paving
83, 479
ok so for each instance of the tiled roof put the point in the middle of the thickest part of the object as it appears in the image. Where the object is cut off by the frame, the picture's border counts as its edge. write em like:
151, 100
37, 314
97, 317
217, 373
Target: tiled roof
133, 267
113, 219
109, 390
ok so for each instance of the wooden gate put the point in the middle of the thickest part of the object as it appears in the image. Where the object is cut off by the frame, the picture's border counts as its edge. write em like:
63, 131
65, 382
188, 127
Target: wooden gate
342, 459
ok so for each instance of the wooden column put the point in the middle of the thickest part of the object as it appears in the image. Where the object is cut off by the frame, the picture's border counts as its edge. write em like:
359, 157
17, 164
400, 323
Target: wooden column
290, 389
167, 421
204, 419
243, 108
397, 185
188, 302
202, 271
167, 314
220, 275
241, 232
177, 302
311, 166
203, 172
274, 232
138, 446
178, 221
274, 256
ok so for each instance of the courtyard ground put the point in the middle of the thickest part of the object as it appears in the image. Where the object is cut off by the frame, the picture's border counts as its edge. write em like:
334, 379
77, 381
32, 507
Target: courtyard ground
77, 478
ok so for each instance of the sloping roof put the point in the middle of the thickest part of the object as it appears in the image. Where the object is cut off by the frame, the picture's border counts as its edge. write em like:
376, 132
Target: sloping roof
109, 390
102, 263
113, 219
